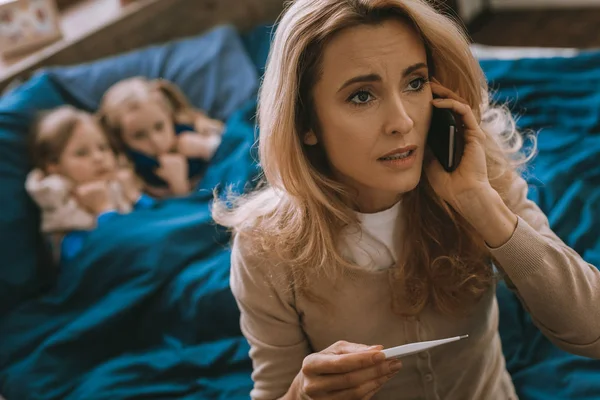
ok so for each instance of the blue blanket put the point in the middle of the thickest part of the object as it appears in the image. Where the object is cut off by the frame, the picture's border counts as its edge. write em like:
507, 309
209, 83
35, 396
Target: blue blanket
146, 311
559, 98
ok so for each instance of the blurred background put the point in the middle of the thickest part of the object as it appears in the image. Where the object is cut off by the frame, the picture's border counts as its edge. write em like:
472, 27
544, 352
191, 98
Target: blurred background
38, 33
546, 23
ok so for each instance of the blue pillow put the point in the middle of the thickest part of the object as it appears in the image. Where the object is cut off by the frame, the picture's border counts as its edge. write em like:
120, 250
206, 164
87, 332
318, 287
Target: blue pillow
25, 263
213, 70
257, 42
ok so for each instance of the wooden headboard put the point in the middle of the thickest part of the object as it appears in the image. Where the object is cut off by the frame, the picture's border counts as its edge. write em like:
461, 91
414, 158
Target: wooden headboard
146, 22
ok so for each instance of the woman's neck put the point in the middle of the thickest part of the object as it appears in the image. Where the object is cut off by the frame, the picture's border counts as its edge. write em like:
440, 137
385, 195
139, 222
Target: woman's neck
375, 204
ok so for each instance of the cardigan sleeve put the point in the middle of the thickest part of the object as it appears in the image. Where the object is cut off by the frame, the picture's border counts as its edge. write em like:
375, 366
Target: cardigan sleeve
558, 288
269, 321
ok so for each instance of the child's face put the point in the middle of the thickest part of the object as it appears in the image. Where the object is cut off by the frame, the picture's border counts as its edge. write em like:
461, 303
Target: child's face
148, 129
87, 157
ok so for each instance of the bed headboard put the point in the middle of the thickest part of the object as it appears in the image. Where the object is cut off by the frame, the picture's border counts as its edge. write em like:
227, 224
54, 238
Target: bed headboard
146, 22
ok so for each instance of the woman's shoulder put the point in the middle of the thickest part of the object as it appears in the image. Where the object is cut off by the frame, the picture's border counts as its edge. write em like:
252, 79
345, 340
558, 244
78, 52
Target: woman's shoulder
258, 223
249, 252
255, 270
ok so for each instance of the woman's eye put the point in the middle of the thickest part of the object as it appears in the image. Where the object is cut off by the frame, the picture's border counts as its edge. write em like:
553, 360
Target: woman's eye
159, 126
416, 84
361, 97
81, 152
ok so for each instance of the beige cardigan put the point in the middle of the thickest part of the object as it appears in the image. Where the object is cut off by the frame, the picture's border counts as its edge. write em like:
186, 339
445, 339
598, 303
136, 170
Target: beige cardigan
558, 288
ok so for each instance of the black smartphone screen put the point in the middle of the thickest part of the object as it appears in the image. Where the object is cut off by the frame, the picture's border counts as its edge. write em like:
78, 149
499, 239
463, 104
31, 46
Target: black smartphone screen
445, 138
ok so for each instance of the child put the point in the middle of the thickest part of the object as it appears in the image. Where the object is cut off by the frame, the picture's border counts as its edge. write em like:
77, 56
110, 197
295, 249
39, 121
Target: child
168, 141
77, 181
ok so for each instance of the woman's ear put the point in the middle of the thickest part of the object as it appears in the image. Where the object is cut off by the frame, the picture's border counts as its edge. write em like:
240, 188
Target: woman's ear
310, 139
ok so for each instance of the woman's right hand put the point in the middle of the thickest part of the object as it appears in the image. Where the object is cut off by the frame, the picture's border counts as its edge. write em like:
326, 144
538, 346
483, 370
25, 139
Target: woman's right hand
345, 371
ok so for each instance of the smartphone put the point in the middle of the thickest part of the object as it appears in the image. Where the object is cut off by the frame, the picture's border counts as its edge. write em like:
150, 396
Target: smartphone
446, 138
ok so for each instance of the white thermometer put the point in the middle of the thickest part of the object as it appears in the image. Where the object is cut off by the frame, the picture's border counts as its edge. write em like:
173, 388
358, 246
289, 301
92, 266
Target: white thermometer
413, 348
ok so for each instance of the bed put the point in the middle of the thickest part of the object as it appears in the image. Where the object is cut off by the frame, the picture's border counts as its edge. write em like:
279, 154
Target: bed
146, 312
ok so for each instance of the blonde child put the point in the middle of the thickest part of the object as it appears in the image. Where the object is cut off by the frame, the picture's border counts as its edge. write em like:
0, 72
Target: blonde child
168, 141
77, 181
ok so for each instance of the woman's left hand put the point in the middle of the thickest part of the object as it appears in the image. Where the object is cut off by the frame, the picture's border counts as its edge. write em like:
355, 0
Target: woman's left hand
468, 189
470, 178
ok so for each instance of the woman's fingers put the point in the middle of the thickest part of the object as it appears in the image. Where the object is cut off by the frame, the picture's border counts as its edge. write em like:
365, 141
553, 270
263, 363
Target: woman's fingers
444, 92
346, 371
468, 118
460, 108
354, 379
343, 347
327, 363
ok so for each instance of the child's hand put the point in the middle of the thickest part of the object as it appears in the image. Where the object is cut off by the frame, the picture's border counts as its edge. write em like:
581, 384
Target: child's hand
132, 186
174, 170
94, 196
207, 126
195, 145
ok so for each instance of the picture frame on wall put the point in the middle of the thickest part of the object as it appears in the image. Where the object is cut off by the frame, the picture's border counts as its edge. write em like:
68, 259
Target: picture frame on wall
27, 25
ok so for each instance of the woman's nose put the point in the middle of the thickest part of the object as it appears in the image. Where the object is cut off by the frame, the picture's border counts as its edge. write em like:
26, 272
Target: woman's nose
398, 122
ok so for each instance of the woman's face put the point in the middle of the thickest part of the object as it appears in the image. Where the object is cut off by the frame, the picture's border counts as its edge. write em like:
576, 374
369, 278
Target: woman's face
373, 102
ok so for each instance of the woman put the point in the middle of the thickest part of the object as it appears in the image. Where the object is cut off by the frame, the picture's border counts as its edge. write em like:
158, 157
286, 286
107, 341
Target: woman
360, 240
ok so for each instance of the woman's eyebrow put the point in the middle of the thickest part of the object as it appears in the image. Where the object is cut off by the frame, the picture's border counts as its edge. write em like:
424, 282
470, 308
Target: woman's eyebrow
376, 78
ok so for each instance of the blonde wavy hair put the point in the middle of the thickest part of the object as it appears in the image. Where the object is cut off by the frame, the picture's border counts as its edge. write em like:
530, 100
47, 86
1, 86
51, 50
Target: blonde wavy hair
296, 216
